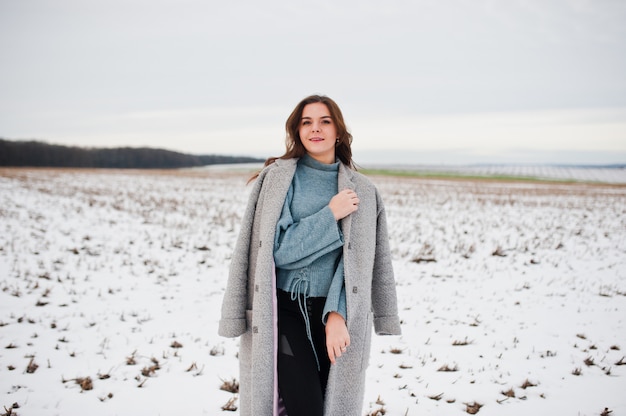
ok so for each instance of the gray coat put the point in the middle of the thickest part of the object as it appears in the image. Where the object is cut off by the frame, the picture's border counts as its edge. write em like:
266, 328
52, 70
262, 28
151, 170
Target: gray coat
249, 307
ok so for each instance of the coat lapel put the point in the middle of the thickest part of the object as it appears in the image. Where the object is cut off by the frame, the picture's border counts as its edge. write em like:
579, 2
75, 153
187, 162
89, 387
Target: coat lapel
344, 181
278, 185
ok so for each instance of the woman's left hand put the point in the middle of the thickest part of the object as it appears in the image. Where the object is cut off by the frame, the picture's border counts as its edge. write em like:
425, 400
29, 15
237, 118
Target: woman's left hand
337, 337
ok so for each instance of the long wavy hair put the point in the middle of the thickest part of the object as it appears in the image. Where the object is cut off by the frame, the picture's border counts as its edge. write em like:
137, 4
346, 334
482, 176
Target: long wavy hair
293, 143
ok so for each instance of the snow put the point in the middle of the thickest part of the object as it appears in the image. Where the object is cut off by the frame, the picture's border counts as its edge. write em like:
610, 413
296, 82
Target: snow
118, 276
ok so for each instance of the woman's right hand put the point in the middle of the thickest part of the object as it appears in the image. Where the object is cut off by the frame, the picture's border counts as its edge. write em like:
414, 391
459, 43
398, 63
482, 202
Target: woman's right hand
337, 336
344, 204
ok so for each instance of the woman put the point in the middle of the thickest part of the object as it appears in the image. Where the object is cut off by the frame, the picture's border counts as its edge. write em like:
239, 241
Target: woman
310, 274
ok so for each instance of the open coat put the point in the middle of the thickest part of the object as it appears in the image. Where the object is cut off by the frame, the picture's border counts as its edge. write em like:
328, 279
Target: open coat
249, 305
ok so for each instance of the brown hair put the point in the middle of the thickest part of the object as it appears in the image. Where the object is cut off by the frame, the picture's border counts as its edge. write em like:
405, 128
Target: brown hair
293, 143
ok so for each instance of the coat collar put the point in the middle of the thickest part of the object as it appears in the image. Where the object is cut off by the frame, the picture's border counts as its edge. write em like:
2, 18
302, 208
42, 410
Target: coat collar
345, 177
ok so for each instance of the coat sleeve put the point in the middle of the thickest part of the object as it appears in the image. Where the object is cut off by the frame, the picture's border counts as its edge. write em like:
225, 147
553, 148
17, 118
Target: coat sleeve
300, 243
336, 299
233, 319
384, 297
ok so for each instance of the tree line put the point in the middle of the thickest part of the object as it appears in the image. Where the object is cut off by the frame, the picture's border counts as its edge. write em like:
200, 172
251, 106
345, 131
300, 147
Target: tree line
41, 154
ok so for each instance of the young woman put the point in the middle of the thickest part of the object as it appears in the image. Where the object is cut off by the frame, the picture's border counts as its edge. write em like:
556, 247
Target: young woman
310, 274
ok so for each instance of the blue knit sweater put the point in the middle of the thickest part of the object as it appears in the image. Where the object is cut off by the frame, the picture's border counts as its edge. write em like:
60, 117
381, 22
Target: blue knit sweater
308, 245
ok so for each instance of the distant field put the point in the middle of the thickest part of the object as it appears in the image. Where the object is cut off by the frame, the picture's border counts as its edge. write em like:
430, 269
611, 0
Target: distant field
560, 174
613, 175
542, 173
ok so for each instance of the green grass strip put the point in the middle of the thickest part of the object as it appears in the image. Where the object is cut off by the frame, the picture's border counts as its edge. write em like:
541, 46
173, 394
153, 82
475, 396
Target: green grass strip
458, 175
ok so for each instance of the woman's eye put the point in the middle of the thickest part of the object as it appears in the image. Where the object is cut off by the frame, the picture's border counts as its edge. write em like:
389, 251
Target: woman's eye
306, 122
326, 121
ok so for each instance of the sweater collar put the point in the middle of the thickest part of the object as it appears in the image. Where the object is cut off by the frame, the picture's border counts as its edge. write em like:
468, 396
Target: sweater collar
288, 166
308, 161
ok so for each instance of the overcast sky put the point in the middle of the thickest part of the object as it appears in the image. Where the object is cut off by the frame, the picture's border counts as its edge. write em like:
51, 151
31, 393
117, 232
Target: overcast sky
422, 80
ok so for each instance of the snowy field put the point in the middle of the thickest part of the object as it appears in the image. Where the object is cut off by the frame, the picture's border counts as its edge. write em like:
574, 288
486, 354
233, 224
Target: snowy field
512, 295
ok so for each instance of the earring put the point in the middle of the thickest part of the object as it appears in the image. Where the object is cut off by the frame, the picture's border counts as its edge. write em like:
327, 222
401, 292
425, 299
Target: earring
337, 140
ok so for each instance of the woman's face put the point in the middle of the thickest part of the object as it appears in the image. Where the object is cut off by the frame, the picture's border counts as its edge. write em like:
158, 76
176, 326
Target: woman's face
318, 132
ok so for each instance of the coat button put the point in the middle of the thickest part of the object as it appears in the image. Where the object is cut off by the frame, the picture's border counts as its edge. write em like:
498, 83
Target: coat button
355, 289
255, 329
256, 288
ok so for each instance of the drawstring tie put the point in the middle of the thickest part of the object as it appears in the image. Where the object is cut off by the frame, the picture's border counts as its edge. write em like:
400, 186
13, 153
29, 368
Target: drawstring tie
300, 292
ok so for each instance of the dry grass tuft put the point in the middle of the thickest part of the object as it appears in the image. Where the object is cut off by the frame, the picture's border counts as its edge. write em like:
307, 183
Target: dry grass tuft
621, 362
509, 393
105, 398
422, 260
378, 412
230, 386
436, 397
577, 371
446, 368
472, 408
589, 361
527, 384
425, 255
85, 383
32, 366
458, 343
150, 371
176, 344
9, 411
216, 351
230, 405
606, 412
131, 360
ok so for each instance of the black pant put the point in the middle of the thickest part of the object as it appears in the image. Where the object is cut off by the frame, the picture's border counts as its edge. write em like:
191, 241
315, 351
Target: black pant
301, 385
